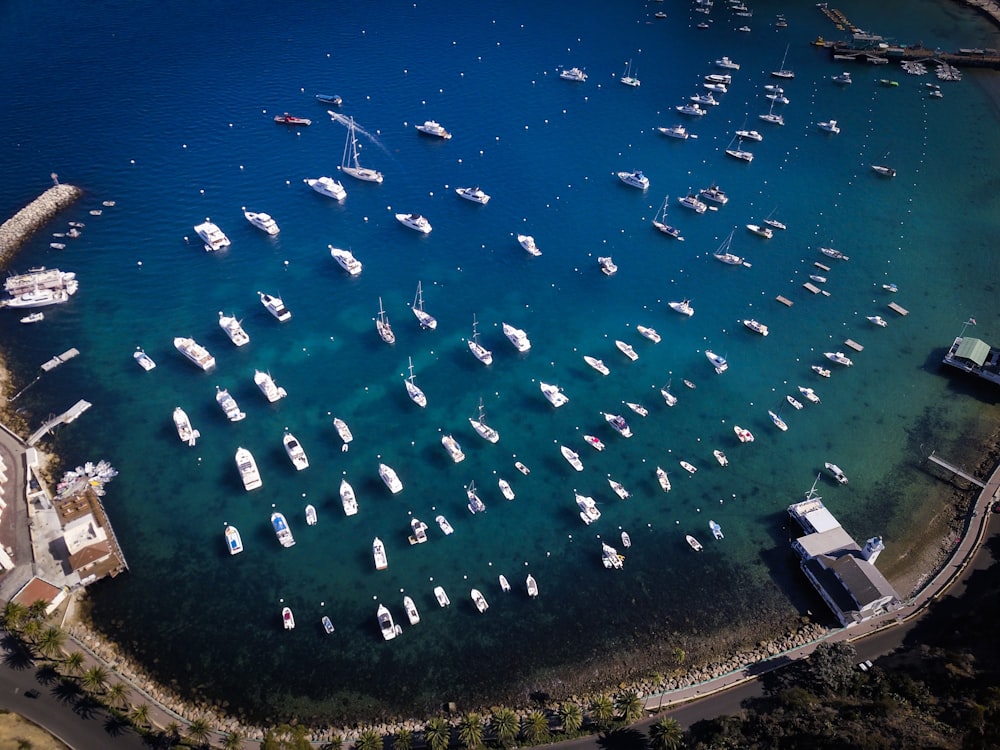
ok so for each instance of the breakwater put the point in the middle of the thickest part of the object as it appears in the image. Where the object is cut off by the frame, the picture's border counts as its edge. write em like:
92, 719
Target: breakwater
16, 230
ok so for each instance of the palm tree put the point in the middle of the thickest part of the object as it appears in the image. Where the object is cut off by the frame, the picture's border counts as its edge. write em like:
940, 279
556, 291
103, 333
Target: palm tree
402, 740
369, 740
504, 724
74, 662
94, 679
14, 616
336, 743
232, 741
140, 716
51, 642
471, 730
629, 706
603, 711
571, 716
666, 734
437, 733
37, 610
199, 731
536, 727
31, 630
117, 695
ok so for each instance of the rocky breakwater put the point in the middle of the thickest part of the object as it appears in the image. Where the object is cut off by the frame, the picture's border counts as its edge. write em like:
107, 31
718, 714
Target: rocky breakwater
18, 229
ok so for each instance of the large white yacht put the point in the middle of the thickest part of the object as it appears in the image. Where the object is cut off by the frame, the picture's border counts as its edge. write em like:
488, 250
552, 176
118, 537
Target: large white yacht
433, 127
233, 328
676, 131
573, 74
275, 306
228, 405
634, 179
479, 600
683, 307
618, 422
327, 186
718, 361
296, 454
474, 194
262, 221
347, 498
528, 243
415, 221
588, 509
213, 237
552, 392
248, 469
390, 478
597, 364
626, 349
572, 457
265, 382
185, 431
649, 333
343, 431
195, 352
346, 260
610, 557
517, 337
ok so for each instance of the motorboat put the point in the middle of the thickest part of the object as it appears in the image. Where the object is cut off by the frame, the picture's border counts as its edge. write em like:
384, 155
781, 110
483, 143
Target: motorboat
708, 99
714, 194
378, 553
649, 333
517, 337
809, 393
287, 618
195, 352
610, 557
588, 509
281, 530
683, 307
594, 442
434, 128
479, 600
689, 467
676, 131
247, 467
505, 489
628, 79
474, 194
663, 479
596, 364
382, 325
884, 170
691, 201
441, 596
185, 431
608, 267
415, 221
327, 186
213, 237
385, 623
716, 530
830, 126
142, 359
726, 63
634, 179
660, 222
718, 361
234, 542
416, 395
778, 421
756, 326
482, 429
233, 329
821, 371
720, 457
689, 384
693, 543
572, 457
349, 164
287, 119
626, 349
843, 78
296, 454
528, 243
877, 320
264, 222
504, 583
475, 503
715, 88
765, 232
619, 489
531, 586
796, 404
272, 392
333, 99
890, 288
695, 110
348, 499
750, 135
443, 524
836, 471
555, 396
777, 98
346, 260
626, 540
454, 450
837, 255
522, 468
418, 531
668, 397
573, 74
327, 624
618, 422
310, 515
228, 405
775, 223
411, 610
724, 78
390, 477
38, 317
343, 431
426, 320
839, 357
274, 305
744, 435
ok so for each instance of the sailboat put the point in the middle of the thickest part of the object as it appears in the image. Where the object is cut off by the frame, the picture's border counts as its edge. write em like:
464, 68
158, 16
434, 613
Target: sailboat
479, 351
349, 163
628, 79
725, 256
413, 390
382, 324
884, 169
425, 319
739, 152
660, 222
771, 117
772, 222
783, 72
483, 429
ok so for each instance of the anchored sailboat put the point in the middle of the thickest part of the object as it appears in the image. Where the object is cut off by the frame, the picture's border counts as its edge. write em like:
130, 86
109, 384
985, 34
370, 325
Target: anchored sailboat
660, 222
382, 324
483, 429
426, 320
349, 163
480, 352
413, 390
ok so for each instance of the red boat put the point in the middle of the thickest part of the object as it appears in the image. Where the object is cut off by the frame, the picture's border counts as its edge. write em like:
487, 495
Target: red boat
287, 119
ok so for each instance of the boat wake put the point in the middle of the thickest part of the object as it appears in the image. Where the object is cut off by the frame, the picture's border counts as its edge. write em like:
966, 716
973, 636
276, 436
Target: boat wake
346, 122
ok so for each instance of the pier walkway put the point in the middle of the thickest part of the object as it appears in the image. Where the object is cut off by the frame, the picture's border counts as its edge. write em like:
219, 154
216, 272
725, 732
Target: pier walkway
65, 418
955, 470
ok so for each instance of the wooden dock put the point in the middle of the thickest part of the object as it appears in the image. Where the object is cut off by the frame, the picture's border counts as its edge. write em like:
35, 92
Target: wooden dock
784, 300
60, 359
955, 471
810, 287
65, 418
854, 345
898, 309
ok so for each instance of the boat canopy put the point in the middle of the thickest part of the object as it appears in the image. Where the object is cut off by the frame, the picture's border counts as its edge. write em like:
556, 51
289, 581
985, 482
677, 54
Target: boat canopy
974, 350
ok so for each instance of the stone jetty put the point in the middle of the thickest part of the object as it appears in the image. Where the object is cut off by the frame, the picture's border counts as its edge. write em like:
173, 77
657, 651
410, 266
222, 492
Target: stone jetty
16, 230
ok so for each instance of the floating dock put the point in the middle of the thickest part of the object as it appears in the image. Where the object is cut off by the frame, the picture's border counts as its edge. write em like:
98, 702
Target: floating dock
60, 359
854, 345
65, 418
898, 309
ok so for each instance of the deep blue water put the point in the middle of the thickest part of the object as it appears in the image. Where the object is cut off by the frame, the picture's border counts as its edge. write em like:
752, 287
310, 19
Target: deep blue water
166, 109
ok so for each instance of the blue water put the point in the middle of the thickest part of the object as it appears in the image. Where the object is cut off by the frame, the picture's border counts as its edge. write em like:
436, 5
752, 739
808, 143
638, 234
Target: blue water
166, 109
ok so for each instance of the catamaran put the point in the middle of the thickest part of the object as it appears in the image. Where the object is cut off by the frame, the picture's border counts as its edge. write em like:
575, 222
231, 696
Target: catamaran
426, 320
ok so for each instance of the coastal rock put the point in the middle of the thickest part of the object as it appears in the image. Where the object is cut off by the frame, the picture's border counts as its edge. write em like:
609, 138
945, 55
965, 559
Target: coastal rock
21, 226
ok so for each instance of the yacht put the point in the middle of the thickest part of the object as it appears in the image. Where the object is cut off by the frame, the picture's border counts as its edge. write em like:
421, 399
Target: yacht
287, 618
635, 179
594, 442
796, 404
693, 543
716, 530
419, 531
296, 454
415, 221
475, 504
689, 467
618, 422
626, 349
413, 390
573, 74
714, 194
756, 326
750, 135
479, 600
716, 88
505, 489
411, 610
572, 457
262, 221
248, 469
839, 357
233, 328
349, 163
884, 170
425, 319
185, 432
382, 325
378, 553
483, 429
37, 317
720, 457
555, 396
669, 397
432, 127
287, 119
775, 223
213, 237
608, 267
765, 232
628, 79
830, 126
723, 254
821, 371
745, 436
390, 478
660, 222
327, 624
705, 99
843, 78
838, 474
228, 405
348, 499
777, 97
649, 333
446, 527
837, 255
454, 450
528, 243
343, 431
234, 542
683, 307
142, 359
504, 583
726, 63
691, 201
265, 382
596, 364
327, 186
473, 194
517, 337
385, 623
771, 117
195, 352
531, 585
778, 421
739, 152
610, 557
281, 530
441, 596
311, 515
877, 320
274, 305
677, 131
809, 393
723, 78
718, 361
346, 260
479, 351
694, 110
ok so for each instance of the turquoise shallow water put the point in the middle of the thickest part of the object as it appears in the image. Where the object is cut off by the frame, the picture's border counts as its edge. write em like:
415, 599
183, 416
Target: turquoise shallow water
168, 114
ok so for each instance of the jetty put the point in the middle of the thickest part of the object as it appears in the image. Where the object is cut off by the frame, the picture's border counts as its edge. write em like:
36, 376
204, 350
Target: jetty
65, 418
955, 471
21, 226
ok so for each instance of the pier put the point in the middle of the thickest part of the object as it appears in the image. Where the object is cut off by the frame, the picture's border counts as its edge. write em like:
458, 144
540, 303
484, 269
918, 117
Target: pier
916, 53
955, 471
21, 226
65, 418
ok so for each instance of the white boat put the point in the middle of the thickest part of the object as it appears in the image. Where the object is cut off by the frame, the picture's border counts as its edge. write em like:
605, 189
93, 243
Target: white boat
310, 515
635, 179
390, 478
378, 553
264, 222
415, 222
195, 352
695, 110
475, 503
349, 162
717, 88
327, 186
327, 624
720, 457
572, 457
777, 98
228, 405
778, 421
683, 307
233, 329
594, 442
716, 530
704, 99
411, 610
347, 498
724, 78
660, 222
385, 623
809, 393
830, 126
296, 454
418, 531
726, 63
343, 431
531, 585
693, 543
691, 201
756, 326
433, 127
37, 317
714, 194
588, 509
772, 117
668, 397
724, 255
281, 530
618, 422
265, 382
783, 72
761, 231
884, 170
504, 583
528, 243
446, 527
677, 131
247, 467
441, 596
839, 357
750, 135
522, 468
626, 540
843, 78
382, 325
274, 305
889, 287
649, 333
142, 359
346, 260
596, 364
213, 237
573, 74
234, 542
689, 467
821, 371
745, 436
479, 600
517, 337
555, 396
481, 428
287, 618
608, 267
717, 360
837, 255
185, 432
628, 79
610, 557
626, 349
425, 319
38, 298
479, 351
505, 489
474, 194
663, 479
877, 320
413, 390
619, 489
836, 471
454, 450
796, 404
775, 223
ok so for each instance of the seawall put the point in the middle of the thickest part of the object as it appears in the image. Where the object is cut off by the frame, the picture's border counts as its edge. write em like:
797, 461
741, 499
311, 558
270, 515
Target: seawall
16, 230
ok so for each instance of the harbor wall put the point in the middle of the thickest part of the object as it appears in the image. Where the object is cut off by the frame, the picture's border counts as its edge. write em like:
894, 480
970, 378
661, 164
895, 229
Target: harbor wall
989, 8
21, 226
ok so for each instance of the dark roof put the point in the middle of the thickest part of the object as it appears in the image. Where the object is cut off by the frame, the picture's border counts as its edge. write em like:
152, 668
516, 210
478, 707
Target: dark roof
863, 580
